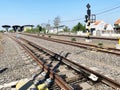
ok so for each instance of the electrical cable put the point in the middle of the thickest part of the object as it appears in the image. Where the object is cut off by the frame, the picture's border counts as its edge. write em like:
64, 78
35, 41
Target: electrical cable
106, 11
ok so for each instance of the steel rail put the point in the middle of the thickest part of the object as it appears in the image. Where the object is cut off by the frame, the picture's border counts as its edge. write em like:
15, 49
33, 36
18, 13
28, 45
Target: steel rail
92, 37
63, 85
81, 45
80, 68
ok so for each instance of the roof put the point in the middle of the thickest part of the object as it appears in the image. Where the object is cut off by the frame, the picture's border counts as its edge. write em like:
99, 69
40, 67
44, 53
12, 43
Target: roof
117, 22
97, 22
106, 25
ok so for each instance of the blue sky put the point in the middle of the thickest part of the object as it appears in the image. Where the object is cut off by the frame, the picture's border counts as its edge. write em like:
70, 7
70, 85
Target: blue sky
40, 11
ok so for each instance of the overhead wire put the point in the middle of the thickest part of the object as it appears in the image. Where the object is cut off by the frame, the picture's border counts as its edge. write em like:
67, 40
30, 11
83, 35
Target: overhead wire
82, 1
109, 10
99, 13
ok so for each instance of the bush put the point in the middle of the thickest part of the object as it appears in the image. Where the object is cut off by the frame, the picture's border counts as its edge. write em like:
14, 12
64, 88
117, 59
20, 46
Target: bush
73, 39
100, 44
49, 36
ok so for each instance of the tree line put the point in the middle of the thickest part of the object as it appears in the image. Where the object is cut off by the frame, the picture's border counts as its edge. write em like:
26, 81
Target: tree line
46, 28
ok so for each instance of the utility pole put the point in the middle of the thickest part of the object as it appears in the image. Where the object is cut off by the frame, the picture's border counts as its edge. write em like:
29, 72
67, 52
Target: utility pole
87, 20
48, 26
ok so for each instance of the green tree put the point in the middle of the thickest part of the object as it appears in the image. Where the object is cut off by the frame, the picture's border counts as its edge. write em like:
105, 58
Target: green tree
39, 28
78, 27
11, 30
66, 29
1, 31
84, 29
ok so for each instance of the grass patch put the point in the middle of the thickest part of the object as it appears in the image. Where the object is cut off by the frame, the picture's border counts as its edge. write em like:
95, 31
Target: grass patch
49, 36
73, 39
100, 44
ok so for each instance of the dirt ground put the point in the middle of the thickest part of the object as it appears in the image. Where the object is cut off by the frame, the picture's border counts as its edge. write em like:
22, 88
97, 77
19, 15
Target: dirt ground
1, 49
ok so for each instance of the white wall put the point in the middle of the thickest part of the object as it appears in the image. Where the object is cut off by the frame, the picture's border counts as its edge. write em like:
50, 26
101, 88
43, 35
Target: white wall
81, 33
111, 35
55, 30
109, 27
100, 26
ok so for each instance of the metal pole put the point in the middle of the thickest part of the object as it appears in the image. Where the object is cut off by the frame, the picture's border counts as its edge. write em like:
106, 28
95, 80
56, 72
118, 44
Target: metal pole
88, 20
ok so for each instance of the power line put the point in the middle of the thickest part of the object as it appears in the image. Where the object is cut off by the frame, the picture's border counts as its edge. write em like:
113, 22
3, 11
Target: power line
109, 10
106, 11
72, 20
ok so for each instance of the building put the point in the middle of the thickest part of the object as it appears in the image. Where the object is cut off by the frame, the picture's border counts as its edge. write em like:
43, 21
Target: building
117, 26
55, 30
27, 28
100, 27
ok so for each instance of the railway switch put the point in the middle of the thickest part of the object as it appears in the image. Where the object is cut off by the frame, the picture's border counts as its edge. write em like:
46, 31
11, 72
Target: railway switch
40, 77
45, 85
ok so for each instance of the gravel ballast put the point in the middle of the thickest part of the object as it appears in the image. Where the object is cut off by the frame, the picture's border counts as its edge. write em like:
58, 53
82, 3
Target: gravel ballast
107, 63
14, 66
12, 62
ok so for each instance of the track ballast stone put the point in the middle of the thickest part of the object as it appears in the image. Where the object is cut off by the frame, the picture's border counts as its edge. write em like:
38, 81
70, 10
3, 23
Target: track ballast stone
109, 64
12, 64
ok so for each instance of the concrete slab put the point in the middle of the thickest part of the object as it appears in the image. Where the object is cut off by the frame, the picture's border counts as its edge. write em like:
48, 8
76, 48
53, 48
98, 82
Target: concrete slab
117, 46
8, 84
88, 40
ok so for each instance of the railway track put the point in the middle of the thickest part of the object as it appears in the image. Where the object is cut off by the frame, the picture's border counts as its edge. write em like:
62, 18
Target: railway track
67, 74
81, 45
92, 37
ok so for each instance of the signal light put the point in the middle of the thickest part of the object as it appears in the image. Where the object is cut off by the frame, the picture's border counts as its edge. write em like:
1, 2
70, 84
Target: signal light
89, 12
88, 24
86, 18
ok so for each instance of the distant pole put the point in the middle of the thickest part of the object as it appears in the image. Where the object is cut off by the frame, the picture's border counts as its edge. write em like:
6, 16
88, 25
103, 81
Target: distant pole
40, 29
48, 26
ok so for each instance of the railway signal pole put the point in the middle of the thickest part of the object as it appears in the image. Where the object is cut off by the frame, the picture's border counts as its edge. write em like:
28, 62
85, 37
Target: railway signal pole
87, 20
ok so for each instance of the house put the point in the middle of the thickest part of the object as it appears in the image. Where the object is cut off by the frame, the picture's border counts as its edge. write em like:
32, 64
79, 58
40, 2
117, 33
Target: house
117, 26
27, 28
99, 27
55, 30
108, 27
